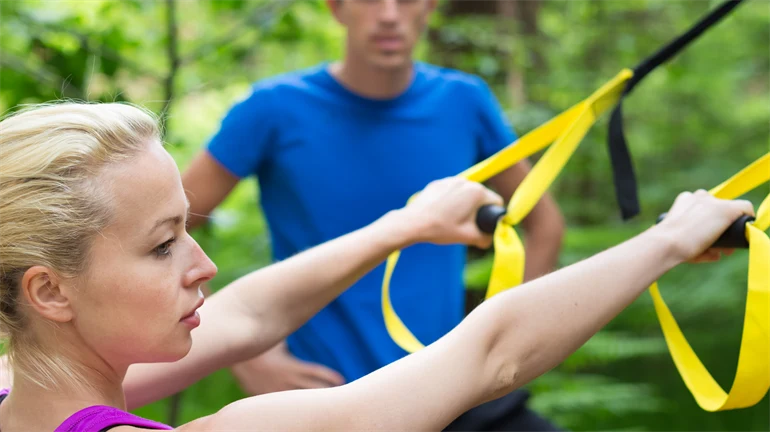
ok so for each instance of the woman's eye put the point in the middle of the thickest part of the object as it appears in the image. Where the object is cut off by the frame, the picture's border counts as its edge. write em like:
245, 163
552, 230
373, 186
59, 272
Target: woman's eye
164, 249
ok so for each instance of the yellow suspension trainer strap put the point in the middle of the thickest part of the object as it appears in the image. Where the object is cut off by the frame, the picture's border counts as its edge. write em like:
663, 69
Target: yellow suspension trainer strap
565, 132
752, 378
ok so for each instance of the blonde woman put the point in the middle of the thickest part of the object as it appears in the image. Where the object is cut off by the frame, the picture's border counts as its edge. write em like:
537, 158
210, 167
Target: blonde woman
97, 273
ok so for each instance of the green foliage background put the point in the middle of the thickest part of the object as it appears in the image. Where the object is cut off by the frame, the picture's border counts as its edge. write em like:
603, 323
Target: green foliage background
691, 124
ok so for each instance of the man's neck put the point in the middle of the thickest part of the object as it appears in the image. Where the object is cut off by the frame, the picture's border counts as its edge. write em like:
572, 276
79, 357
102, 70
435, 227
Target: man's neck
372, 82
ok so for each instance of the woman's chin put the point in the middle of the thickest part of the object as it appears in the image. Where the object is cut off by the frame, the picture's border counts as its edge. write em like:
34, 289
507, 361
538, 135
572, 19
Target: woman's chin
173, 352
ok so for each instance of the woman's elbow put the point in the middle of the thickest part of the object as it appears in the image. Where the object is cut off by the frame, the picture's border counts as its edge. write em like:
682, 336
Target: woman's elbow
503, 353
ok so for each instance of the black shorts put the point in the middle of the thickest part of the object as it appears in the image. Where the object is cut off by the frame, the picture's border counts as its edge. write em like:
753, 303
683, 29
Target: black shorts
509, 413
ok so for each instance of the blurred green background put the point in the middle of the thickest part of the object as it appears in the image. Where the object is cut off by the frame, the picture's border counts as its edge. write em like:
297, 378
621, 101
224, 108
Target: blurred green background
691, 124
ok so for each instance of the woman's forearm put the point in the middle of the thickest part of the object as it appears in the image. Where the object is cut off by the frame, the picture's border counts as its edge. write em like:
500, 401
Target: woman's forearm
285, 295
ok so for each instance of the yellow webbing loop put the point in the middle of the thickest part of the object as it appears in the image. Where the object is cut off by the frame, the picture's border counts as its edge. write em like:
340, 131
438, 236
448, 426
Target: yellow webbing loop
752, 378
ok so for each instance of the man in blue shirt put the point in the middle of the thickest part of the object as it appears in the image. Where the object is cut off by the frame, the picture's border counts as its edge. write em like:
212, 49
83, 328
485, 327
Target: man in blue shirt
335, 147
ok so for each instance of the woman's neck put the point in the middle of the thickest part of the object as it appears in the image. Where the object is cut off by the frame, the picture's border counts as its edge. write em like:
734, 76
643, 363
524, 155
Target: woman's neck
24, 407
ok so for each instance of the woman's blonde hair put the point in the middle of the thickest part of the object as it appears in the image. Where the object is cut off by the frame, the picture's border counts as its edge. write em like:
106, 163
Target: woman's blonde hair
51, 206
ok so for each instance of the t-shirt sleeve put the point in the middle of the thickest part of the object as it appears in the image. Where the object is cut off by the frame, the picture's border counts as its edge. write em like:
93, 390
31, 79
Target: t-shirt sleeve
245, 135
495, 131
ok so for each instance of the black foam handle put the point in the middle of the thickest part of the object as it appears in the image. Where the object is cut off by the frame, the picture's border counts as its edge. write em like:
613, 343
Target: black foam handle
487, 217
735, 235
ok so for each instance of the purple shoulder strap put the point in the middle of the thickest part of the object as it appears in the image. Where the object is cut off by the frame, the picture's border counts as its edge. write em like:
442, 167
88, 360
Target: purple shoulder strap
101, 418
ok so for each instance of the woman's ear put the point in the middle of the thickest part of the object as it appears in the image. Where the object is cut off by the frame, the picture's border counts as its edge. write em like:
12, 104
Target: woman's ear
42, 291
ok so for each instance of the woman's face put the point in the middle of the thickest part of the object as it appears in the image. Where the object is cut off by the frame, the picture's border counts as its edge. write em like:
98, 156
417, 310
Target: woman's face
137, 299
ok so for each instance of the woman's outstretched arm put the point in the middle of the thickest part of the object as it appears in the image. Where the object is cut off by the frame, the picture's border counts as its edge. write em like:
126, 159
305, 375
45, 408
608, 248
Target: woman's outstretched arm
506, 342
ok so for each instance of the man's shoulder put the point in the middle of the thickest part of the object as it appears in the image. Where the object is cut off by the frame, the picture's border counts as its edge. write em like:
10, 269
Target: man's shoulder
289, 80
270, 95
282, 88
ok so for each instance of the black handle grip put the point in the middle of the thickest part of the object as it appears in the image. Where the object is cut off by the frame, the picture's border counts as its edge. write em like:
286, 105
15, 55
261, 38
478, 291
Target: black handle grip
487, 217
735, 235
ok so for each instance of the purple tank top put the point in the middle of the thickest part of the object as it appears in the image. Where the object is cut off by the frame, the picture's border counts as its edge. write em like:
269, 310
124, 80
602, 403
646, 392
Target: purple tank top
99, 418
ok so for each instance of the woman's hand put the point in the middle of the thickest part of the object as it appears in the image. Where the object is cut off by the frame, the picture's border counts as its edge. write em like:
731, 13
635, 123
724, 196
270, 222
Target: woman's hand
445, 212
697, 219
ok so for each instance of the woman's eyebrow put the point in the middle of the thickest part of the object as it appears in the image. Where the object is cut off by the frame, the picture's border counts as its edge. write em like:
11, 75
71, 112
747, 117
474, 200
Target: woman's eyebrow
175, 220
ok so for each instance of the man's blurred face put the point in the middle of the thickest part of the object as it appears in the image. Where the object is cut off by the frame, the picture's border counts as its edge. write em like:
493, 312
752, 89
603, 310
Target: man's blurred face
382, 33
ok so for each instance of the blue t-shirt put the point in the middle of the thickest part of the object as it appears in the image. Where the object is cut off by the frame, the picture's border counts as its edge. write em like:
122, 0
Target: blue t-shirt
329, 162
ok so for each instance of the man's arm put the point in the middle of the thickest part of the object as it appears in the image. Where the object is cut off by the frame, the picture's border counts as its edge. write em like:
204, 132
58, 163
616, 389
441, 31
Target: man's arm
258, 310
543, 227
207, 184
